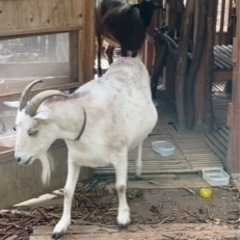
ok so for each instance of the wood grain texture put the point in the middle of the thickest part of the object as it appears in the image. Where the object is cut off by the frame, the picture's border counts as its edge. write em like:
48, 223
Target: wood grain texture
19, 17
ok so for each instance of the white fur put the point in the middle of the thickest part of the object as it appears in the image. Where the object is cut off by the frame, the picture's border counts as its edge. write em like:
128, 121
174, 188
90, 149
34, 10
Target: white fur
120, 115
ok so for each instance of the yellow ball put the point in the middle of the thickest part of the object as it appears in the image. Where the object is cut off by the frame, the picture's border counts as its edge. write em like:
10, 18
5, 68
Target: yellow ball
205, 192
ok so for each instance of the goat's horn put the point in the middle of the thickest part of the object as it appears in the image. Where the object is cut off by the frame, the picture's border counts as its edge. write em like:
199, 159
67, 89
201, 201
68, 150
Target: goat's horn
35, 102
25, 95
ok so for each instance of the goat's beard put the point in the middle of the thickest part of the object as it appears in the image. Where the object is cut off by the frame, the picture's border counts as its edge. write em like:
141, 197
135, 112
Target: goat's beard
46, 168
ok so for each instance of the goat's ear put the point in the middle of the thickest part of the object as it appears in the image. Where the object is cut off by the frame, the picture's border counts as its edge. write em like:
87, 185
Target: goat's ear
43, 115
13, 104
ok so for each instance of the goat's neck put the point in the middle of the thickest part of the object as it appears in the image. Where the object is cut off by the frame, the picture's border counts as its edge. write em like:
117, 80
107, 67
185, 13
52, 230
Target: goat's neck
70, 121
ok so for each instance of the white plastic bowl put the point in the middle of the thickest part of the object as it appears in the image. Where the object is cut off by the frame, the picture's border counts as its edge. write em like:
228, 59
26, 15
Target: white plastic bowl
215, 176
164, 148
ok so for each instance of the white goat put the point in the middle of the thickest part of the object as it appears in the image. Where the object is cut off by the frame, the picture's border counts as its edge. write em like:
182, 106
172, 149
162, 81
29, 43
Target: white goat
100, 122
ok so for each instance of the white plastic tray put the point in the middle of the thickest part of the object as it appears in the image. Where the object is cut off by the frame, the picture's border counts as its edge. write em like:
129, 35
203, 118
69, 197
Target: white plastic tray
164, 148
215, 176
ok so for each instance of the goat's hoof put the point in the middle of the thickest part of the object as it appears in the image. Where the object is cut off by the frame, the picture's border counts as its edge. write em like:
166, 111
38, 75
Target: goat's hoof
57, 235
60, 229
123, 226
139, 177
124, 218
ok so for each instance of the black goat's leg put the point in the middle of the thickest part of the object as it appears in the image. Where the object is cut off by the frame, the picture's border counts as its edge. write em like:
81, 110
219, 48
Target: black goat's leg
134, 54
109, 53
99, 53
124, 52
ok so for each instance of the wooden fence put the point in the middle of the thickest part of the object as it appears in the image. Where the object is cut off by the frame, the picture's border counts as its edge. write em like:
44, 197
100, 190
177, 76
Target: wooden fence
37, 17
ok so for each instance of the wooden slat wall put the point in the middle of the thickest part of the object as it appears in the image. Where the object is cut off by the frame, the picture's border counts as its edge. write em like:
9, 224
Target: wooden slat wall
19, 17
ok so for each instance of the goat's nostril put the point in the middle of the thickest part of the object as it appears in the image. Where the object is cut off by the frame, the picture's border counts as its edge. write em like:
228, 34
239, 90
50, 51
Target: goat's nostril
18, 159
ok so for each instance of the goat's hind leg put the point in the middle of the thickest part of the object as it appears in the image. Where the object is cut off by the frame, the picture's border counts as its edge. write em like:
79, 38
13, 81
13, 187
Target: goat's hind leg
121, 165
109, 53
72, 178
138, 163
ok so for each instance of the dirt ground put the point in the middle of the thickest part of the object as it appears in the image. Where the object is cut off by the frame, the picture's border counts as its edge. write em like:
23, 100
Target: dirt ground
174, 205
96, 203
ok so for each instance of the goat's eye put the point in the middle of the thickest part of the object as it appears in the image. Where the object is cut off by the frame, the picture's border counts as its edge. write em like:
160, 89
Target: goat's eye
32, 132
14, 128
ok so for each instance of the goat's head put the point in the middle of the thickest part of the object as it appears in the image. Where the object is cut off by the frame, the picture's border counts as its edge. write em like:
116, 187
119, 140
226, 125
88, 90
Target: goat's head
146, 9
35, 129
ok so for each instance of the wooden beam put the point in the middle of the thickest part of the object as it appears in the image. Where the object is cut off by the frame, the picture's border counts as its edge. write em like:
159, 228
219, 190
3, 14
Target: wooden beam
88, 41
234, 149
75, 56
33, 69
222, 76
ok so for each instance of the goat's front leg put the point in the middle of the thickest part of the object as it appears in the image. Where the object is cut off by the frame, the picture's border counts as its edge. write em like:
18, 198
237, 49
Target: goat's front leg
121, 165
72, 178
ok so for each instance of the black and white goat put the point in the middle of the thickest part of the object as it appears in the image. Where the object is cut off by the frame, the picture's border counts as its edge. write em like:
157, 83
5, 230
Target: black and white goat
99, 122
122, 24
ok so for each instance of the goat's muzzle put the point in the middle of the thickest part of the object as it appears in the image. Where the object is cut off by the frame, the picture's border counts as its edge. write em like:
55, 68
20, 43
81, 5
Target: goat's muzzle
22, 162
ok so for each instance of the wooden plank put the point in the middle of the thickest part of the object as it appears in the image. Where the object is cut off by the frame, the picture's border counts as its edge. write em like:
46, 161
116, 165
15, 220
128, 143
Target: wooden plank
38, 16
218, 64
225, 50
214, 146
224, 59
66, 86
33, 69
222, 75
228, 48
9, 86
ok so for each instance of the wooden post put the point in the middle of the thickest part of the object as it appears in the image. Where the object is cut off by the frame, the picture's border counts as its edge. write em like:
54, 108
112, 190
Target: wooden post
200, 33
148, 47
82, 47
182, 61
174, 14
234, 140
203, 86
76, 73
88, 41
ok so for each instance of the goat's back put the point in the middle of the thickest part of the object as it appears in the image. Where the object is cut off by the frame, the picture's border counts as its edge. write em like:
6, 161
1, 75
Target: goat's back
121, 102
